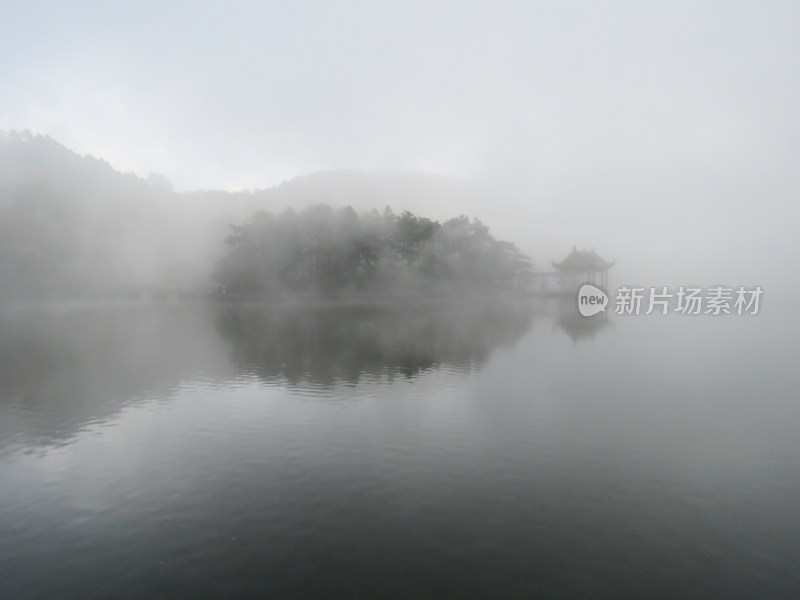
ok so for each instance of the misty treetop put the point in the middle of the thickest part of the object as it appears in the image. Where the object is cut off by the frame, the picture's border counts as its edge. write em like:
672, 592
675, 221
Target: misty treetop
331, 250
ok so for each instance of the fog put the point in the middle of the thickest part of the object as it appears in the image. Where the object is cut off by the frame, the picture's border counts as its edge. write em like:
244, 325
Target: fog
664, 136
294, 299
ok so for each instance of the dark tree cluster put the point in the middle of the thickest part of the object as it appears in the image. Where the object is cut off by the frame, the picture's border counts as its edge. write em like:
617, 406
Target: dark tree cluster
323, 250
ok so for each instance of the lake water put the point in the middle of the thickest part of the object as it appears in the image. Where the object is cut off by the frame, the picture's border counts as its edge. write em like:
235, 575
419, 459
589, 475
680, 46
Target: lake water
451, 452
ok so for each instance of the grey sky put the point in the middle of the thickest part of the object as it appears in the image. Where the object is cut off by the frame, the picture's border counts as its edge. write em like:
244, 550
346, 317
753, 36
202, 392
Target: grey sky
660, 121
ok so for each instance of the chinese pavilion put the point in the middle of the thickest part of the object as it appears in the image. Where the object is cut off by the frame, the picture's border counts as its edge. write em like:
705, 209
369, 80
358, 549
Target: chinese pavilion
582, 266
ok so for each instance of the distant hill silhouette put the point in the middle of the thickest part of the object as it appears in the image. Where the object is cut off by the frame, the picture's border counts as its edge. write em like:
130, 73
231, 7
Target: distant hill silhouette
434, 196
72, 226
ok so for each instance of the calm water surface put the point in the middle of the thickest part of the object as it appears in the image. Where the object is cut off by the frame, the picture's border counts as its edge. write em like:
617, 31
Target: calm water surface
467, 452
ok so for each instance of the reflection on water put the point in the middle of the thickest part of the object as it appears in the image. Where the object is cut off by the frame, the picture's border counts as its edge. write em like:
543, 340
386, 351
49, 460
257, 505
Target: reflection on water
451, 452
328, 346
62, 372
580, 328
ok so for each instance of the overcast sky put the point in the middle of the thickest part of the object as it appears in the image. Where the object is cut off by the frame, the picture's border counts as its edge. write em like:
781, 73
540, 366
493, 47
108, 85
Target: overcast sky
618, 124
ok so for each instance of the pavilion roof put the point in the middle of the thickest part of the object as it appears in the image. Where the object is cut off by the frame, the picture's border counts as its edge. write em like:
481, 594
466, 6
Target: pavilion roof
582, 260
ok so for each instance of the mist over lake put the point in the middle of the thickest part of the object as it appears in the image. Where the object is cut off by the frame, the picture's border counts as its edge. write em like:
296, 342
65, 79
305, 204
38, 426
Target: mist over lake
491, 450
414, 300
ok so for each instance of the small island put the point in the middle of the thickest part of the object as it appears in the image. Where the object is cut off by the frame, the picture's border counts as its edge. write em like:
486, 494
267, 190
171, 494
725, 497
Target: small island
337, 252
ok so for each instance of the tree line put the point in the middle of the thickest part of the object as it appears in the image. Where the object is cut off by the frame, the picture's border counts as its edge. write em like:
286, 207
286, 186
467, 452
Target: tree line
326, 250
